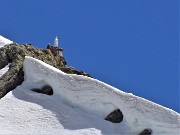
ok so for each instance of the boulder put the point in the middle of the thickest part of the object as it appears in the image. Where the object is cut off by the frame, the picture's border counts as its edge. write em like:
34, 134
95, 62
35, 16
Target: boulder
115, 117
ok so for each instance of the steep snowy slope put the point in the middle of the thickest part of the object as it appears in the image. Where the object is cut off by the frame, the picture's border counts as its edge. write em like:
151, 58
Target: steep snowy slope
4, 41
78, 106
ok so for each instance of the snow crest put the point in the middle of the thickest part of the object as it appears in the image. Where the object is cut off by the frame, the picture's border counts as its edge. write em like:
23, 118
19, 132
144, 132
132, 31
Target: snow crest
78, 106
4, 41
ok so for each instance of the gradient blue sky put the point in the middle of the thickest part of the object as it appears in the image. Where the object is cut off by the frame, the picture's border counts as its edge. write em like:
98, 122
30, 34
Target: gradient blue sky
130, 44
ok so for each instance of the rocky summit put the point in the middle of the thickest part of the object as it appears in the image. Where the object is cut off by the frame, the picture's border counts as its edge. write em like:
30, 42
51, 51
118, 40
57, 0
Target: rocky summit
15, 54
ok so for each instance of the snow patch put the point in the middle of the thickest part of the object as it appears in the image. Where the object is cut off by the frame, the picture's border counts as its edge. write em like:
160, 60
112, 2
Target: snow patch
4, 41
4, 70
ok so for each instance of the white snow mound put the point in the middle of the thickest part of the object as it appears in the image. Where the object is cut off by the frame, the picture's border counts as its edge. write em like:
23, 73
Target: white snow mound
4, 41
78, 107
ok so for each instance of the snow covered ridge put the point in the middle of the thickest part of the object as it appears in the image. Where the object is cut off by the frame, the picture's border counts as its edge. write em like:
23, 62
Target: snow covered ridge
99, 99
4, 41
78, 107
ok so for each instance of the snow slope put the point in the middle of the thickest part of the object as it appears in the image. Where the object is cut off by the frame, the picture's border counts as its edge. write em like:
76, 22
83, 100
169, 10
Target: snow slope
78, 106
4, 41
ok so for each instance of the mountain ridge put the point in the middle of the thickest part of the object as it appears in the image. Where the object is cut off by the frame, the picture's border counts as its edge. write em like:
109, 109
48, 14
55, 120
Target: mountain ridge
79, 104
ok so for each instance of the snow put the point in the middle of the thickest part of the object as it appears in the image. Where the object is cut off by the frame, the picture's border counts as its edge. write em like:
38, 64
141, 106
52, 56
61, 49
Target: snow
4, 41
78, 106
4, 70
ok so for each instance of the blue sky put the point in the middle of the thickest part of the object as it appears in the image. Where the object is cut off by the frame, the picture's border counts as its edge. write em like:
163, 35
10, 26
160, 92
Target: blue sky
130, 44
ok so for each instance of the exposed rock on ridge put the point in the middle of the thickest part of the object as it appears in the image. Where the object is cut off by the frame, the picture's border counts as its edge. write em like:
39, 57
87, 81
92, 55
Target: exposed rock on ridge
15, 54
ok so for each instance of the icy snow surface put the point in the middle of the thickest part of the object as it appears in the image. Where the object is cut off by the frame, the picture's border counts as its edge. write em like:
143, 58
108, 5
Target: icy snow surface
78, 107
4, 41
4, 70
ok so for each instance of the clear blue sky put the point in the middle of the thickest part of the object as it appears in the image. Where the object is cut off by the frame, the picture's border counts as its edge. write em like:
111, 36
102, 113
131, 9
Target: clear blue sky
130, 44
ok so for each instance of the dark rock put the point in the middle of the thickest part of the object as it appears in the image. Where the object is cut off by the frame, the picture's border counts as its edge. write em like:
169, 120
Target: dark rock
71, 70
15, 54
115, 117
44, 90
3, 59
146, 132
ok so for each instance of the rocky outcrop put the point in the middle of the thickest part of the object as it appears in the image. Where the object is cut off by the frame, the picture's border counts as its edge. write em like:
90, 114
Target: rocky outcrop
44, 90
15, 54
71, 70
146, 132
115, 117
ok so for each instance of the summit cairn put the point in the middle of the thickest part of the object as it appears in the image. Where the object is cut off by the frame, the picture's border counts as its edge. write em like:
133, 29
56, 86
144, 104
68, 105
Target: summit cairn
56, 42
54, 48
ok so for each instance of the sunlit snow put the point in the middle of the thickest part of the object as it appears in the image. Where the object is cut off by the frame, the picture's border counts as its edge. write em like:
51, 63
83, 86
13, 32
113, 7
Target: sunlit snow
4, 70
4, 41
78, 107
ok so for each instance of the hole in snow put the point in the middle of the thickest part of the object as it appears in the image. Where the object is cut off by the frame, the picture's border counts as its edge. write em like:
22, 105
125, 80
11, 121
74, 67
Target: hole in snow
115, 117
146, 132
47, 89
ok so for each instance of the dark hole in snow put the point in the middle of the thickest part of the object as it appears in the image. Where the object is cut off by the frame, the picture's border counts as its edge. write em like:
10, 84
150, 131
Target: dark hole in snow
146, 132
44, 90
115, 117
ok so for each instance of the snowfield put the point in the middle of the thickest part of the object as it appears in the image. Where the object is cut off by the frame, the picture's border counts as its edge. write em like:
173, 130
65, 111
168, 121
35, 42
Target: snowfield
78, 107
4, 41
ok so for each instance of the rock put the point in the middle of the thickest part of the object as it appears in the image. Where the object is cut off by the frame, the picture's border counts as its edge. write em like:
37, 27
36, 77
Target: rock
44, 90
15, 54
115, 117
3, 59
146, 132
71, 70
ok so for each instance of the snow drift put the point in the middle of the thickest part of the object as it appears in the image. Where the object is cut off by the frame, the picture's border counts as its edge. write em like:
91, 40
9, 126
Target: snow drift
78, 106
